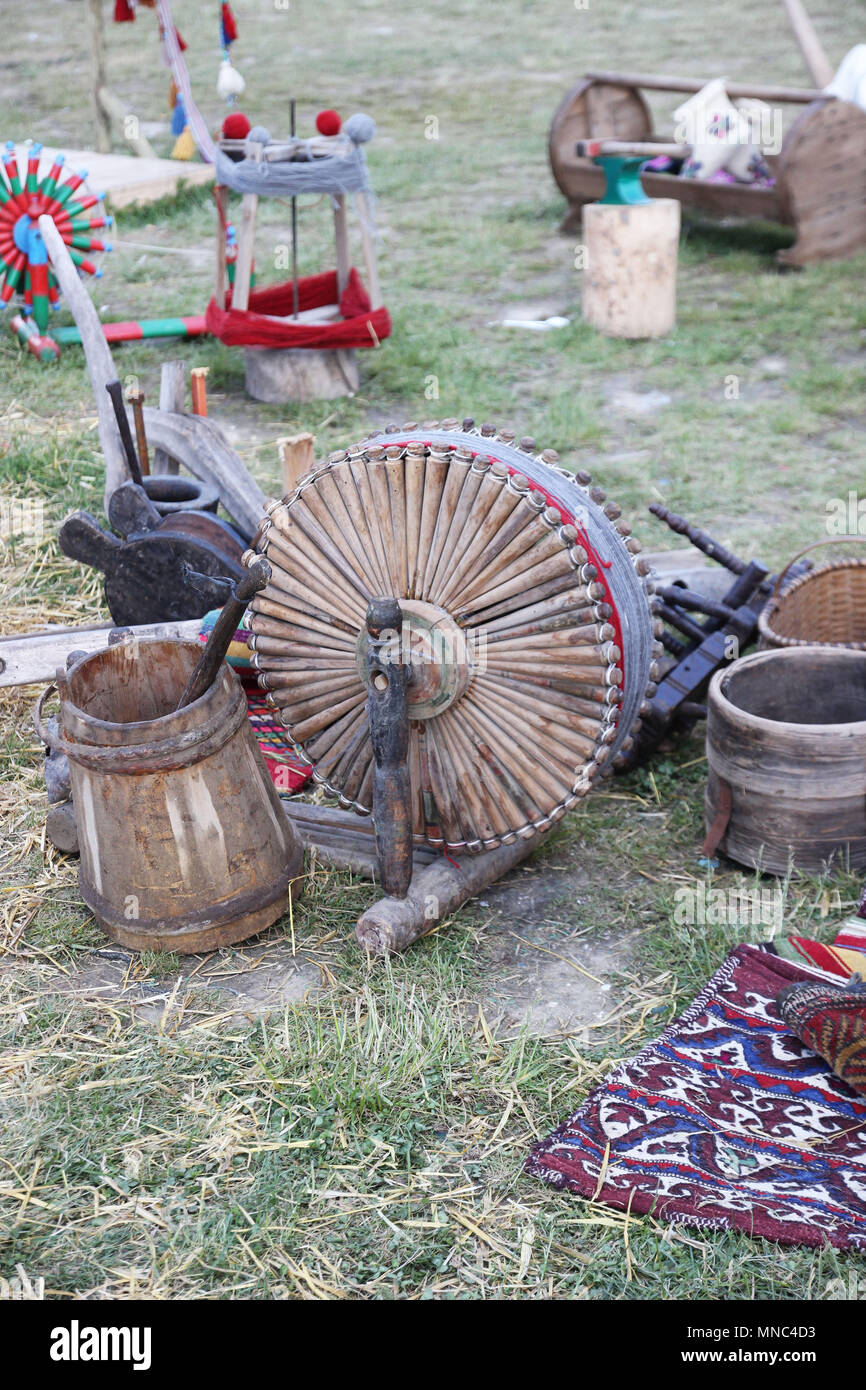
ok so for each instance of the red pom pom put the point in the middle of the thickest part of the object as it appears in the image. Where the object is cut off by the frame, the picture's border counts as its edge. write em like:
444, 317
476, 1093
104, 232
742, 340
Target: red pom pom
236, 126
328, 123
123, 12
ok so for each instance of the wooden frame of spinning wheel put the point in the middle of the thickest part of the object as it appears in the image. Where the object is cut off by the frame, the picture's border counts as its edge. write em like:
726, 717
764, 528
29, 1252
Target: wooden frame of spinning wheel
488, 544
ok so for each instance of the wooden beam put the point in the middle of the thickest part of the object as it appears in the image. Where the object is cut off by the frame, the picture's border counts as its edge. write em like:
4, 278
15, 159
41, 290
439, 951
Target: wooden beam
664, 83
366, 219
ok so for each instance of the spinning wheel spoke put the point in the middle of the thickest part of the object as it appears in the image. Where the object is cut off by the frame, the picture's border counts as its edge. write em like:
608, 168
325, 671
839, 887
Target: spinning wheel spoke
515, 587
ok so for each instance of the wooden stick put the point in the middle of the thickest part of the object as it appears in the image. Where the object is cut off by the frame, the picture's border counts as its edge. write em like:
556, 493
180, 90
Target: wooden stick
341, 241
339, 483
136, 400
328, 624
544, 723
359, 469
365, 218
521, 686
221, 199
198, 385
315, 569
172, 396
435, 473
297, 457
323, 720
495, 506
296, 633
817, 62
457, 474
396, 484
415, 467
665, 83
246, 237
331, 518
554, 566
526, 550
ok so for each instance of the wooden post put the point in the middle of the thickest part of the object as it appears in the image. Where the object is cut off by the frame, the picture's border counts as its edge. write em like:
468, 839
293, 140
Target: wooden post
221, 198
630, 282
172, 397
811, 48
246, 238
341, 240
365, 217
114, 108
96, 37
297, 456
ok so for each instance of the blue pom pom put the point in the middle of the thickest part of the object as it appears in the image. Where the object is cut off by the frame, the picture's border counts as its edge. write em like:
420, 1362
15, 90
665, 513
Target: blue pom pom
259, 136
360, 128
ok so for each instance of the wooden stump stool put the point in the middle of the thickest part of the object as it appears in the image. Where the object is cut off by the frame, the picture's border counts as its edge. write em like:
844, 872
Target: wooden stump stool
276, 375
630, 281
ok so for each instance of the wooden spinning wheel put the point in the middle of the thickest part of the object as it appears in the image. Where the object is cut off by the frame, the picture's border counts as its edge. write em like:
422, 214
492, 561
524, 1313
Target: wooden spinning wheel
527, 635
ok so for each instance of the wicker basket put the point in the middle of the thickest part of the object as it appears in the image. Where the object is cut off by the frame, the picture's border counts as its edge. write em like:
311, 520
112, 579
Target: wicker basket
824, 608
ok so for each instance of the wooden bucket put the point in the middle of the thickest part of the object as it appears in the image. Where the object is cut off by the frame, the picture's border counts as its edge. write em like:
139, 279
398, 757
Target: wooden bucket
826, 606
184, 842
786, 749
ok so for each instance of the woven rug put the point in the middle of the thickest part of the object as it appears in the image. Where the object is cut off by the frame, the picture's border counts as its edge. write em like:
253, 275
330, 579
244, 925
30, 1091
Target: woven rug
725, 1121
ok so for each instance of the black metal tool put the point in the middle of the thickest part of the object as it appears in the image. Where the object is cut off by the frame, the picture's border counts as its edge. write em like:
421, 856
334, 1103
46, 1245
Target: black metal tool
223, 629
115, 391
388, 712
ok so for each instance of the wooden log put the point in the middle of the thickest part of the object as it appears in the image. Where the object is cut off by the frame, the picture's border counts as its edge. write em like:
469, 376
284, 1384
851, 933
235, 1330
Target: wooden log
434, 893
97, 355
278, 375
172, 398
629, 285
297, 457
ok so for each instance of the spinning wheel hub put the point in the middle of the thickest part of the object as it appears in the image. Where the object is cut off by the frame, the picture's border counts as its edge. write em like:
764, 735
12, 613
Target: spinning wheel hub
436, 652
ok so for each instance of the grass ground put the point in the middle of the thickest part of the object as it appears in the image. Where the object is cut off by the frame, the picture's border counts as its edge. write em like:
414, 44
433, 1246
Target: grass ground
369, 1142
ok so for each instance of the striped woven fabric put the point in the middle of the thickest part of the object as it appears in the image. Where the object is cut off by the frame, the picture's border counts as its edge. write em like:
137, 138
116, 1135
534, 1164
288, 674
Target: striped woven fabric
289, 771
843, 958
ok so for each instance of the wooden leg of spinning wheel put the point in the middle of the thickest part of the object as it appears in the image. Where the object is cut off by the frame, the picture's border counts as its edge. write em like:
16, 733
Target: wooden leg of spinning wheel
387, 711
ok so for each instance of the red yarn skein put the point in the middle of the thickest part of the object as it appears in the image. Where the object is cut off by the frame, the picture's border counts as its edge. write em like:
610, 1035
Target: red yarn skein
328, 123
236, 126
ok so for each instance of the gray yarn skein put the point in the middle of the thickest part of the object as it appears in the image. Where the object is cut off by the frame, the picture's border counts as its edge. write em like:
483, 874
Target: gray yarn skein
337, 173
